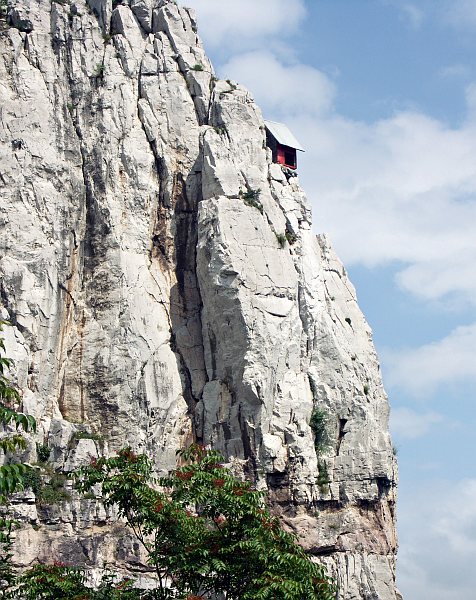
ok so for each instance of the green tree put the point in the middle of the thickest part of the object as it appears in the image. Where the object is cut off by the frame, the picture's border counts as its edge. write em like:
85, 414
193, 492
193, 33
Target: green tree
11, 472
11, 475
60, 582
205, 531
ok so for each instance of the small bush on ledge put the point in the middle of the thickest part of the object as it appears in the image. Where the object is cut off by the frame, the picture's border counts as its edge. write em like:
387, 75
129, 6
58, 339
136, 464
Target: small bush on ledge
281, 237
87, 435
43, 452
47, 485
323, 478
318, 424
99, 70
251, 198
290, 237
220, 130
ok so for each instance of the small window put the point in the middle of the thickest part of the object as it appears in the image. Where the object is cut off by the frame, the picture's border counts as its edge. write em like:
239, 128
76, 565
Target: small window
290, 158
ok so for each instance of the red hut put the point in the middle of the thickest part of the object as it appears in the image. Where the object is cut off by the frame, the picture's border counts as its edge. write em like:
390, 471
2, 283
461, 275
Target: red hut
283, 144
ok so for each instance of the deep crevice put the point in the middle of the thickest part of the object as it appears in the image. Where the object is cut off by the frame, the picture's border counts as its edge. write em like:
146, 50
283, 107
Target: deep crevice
341, 434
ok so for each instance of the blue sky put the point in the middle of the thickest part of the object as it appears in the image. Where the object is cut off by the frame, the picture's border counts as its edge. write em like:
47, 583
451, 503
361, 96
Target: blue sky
382, 93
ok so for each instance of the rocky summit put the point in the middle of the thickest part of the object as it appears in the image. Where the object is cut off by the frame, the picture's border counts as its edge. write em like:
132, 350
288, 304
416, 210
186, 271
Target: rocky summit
165, 285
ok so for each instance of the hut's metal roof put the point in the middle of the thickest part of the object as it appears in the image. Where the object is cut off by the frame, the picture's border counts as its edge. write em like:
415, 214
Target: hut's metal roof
283, 135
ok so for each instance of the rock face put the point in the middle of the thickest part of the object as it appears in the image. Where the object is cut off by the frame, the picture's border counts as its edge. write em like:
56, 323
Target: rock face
158, 297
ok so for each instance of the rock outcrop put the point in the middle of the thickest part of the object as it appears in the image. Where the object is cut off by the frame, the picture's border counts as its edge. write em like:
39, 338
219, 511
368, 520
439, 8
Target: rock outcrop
165, 285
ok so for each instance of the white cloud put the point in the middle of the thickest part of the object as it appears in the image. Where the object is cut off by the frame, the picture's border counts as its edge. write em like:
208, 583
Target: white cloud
461, 13
413, 15
438, 541
409, 12
456, 70
421, 370
470, 93
289, 89
228, 22
406, 423
456, 520
453, 274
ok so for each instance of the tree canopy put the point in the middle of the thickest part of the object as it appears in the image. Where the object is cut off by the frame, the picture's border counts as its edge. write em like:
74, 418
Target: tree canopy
205, 531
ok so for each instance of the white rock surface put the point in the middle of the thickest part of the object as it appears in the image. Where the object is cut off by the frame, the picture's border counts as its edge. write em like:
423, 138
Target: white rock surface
152, 301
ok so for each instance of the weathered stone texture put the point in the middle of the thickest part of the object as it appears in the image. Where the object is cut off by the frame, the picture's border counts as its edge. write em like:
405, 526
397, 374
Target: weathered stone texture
154, 299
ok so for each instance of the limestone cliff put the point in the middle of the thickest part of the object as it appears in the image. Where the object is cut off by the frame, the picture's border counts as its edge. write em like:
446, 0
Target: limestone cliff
154, 295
